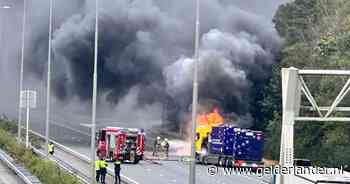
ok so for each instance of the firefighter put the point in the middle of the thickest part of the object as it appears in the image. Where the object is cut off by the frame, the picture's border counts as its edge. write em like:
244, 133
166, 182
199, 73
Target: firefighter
103, 170
98, 169
165, 145
51, 148
117, 169
156, 146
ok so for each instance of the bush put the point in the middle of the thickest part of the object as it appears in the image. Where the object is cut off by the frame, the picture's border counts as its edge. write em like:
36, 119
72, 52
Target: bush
8, 126
11, 127
47, 171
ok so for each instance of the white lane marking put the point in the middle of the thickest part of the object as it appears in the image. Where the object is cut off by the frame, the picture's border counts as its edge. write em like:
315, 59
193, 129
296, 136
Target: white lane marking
135, 182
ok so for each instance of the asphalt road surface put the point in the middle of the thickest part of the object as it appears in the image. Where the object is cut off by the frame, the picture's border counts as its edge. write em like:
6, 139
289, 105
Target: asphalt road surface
162, 172
170, 172
7, 176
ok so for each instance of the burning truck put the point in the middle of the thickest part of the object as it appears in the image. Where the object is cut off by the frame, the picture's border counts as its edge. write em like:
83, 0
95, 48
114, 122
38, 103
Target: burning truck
227, 145
125, 144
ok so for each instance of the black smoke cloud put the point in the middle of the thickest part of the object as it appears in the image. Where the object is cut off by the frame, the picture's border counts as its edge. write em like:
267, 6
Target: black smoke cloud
148, 45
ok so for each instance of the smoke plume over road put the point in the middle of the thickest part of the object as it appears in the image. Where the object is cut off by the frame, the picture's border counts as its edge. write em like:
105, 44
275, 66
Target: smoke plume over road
145, 51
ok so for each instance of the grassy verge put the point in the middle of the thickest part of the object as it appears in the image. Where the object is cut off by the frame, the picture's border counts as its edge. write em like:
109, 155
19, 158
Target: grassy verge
47, 171
11, 127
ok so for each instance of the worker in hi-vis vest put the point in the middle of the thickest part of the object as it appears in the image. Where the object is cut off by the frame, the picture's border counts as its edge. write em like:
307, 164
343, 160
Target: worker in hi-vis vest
103, 170
117, 169
51, 148
98, 170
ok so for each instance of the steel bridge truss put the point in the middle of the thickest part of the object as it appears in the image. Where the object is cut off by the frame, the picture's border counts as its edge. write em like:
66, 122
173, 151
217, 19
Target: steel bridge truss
293, 86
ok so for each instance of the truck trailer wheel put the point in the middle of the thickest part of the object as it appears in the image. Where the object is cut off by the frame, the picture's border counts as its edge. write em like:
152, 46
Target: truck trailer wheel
222, 161
205, 160
229, 162
203, 155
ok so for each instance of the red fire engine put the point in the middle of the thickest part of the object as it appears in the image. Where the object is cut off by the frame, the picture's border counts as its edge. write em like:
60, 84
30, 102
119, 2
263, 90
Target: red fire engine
125, 144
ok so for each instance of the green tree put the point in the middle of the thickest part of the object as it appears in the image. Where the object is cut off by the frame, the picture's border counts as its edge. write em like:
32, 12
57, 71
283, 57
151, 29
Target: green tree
317, 36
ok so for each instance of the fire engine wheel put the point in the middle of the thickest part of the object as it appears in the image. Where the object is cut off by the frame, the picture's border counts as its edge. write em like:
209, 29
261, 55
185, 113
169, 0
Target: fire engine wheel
137, 160
133, 157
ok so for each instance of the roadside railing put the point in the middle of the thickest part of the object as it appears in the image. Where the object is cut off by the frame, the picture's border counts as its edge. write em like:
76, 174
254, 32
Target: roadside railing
22, 173
65, 166
83, 158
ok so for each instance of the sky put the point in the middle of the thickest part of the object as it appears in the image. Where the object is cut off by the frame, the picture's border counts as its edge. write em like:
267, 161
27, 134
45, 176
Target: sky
75, 110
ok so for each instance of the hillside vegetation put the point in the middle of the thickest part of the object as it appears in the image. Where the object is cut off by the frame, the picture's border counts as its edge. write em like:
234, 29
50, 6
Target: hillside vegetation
47, 171
317, 36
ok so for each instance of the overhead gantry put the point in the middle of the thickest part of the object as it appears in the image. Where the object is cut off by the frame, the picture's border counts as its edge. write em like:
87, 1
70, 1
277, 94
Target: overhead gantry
293, 87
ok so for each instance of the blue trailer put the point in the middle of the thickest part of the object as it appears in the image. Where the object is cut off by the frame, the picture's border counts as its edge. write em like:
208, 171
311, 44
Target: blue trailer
231, 146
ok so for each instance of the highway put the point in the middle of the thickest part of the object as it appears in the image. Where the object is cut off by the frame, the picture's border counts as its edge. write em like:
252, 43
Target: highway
149, 172
162, 172
167, 172
7, 176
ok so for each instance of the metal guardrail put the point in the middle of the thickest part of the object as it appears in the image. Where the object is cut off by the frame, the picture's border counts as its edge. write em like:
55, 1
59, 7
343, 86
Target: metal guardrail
26, 176
81, 176
84, 158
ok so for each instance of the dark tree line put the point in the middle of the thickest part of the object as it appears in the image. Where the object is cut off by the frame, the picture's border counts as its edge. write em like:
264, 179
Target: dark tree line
316, 35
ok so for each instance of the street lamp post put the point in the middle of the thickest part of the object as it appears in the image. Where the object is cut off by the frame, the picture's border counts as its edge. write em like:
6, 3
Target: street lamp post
2, 31
192, 176
47, 122
94, 96
21, 72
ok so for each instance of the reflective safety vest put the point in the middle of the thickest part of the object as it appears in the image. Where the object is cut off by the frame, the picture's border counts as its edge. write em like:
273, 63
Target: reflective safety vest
103, 164
51, 147
97, 165
117, 162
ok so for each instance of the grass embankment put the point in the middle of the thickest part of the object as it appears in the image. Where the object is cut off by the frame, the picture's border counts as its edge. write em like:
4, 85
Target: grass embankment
47, 171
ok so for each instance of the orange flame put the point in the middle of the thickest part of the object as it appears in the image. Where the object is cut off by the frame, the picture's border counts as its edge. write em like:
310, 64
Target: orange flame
202, 120
212, 119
